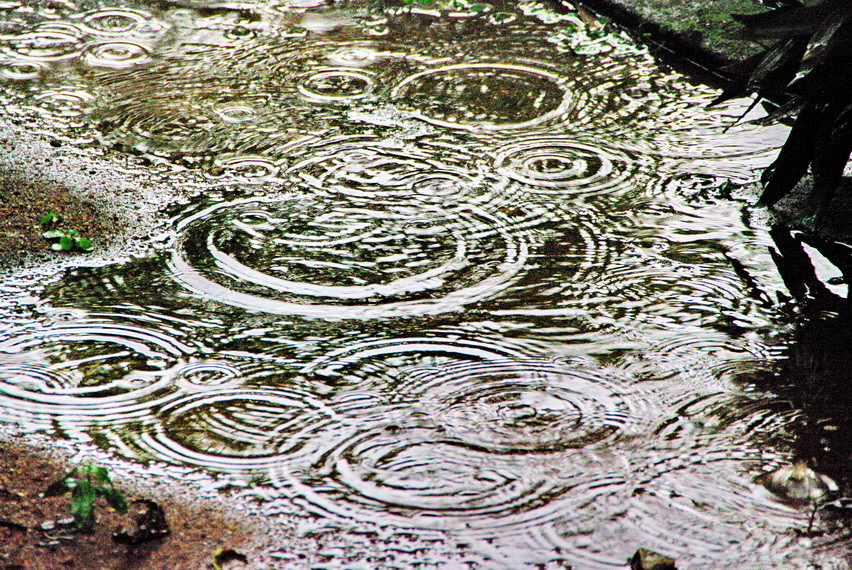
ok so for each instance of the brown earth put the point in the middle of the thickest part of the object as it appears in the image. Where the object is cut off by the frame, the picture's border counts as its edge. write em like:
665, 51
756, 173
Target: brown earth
36, 532
23, 203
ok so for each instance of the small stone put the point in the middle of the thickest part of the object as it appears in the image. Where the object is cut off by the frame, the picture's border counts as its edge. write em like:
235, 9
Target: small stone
645, 559
47, 525
67, 521
798, 484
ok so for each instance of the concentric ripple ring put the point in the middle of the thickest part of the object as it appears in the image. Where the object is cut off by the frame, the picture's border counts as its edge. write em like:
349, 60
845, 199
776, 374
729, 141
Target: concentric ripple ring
296, 258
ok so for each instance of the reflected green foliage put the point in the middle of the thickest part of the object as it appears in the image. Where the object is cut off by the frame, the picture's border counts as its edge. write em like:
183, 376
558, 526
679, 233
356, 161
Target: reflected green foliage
86, 485
810, 60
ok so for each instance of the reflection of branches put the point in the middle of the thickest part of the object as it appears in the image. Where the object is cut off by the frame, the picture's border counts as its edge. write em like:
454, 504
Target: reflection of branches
816, 374
800, 275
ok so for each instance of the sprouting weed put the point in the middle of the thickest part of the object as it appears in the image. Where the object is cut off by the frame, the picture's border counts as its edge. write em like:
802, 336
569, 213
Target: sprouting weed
86, 485
68, 240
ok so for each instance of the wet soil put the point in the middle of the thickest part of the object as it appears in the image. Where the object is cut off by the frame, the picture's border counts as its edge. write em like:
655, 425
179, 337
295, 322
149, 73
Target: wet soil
24, 200
36, 531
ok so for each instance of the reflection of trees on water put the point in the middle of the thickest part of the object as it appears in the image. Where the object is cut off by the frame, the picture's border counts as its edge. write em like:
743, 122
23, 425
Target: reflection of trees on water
816, 375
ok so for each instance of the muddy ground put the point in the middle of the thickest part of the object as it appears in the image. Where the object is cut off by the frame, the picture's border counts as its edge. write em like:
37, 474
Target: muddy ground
25, 201
37, 532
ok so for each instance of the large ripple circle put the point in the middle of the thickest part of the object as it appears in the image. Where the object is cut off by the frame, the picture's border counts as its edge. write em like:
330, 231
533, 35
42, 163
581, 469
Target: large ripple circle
559, 165
234, 430
484, 96
339, 260
87, 370
525, 407
410, 474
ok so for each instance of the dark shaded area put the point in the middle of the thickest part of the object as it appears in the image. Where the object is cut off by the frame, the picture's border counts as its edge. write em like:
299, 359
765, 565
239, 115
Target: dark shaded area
684, 50
815, 378
151, 524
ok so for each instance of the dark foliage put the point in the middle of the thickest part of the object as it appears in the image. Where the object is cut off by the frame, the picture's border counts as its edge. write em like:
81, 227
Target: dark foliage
808, 59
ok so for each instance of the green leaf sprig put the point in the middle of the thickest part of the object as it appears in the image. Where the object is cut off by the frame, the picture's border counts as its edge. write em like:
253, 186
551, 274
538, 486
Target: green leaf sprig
68, 239
51, 218
86, 485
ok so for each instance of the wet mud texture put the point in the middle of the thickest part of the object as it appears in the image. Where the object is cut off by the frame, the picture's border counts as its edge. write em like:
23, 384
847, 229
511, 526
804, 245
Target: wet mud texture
35, 532
25, 199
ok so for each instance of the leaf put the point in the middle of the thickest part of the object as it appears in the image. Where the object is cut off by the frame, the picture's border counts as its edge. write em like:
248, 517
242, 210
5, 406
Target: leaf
794, 158
85, 244
102, 475
53, 234
50, 218
66, 243
73, 233
83, 504
116, 499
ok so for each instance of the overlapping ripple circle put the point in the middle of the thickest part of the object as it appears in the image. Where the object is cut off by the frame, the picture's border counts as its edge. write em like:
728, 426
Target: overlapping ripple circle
432, 273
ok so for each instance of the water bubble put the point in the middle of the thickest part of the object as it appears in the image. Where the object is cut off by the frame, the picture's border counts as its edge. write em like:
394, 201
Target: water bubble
240, 33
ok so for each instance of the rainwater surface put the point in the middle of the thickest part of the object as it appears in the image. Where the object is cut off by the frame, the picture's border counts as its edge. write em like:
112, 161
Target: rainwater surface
458, 281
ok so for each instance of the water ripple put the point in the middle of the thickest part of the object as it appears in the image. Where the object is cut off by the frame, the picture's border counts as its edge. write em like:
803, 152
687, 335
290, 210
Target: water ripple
409, 473
528, 406
308, 258
337, 84
114, 21
372, 168
87, 370
245, 431
484, 96
49, 42
558, 165
116, 54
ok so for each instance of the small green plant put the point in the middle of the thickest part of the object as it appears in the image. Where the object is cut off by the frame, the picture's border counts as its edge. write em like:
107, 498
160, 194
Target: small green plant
68, 240
86, 485
51, 218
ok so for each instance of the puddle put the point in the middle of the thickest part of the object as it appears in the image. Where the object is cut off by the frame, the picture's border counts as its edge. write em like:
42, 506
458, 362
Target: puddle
457, 272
